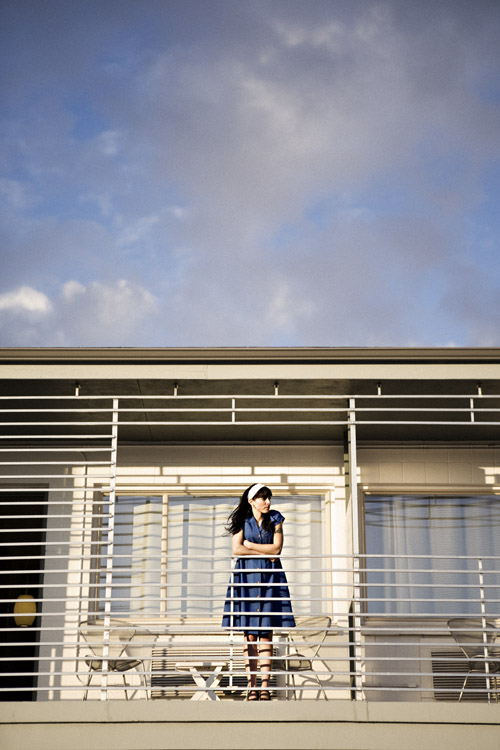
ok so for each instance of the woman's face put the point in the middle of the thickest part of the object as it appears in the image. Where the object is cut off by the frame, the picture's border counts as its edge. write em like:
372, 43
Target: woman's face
261, 504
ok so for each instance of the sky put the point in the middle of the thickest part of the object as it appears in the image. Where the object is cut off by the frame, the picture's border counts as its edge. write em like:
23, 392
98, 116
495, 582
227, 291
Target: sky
250, 173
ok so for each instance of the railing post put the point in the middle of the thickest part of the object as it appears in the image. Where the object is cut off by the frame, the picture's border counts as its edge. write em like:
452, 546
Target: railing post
109, 551
231, 632
484, 628
353, 495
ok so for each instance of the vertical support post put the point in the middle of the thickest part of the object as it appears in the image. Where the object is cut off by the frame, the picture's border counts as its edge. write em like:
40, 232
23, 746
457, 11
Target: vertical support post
110, 548
353, 496
484, 628
164, 555
231, 631
479, 393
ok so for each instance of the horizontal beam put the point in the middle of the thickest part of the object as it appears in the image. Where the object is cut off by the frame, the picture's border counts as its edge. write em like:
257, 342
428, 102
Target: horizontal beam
457, 370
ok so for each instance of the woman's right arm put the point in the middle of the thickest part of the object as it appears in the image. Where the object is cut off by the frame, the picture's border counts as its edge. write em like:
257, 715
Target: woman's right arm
237, 545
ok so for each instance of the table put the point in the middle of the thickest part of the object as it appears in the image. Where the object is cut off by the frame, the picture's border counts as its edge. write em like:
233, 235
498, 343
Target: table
207, 676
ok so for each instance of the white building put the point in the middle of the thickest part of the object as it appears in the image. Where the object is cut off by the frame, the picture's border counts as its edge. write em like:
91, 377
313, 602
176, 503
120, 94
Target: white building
118, 468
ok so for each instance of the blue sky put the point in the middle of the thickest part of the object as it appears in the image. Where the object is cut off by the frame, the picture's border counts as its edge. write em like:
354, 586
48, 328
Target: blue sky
250, 172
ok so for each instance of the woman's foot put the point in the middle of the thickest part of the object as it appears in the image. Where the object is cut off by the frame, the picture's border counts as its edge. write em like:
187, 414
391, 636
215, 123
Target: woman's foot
265, 695
253, 695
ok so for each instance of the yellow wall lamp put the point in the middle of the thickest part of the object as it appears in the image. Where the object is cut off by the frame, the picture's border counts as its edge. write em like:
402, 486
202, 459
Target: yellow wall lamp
25, 611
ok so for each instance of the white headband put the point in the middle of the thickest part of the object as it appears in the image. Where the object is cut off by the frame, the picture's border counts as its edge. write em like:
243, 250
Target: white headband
254, 489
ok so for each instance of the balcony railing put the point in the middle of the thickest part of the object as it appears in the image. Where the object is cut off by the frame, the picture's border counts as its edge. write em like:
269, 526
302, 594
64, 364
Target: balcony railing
106, 626
266, 413
371, 627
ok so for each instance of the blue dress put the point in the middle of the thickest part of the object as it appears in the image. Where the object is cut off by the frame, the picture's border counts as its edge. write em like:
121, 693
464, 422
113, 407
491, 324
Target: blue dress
263, 604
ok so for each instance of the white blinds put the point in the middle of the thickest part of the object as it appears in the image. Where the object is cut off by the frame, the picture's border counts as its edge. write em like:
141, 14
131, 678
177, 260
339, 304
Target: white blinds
172, 556
430, 538
199, 554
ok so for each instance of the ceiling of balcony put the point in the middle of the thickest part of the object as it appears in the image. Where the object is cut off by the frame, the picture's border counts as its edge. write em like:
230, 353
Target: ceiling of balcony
397, 421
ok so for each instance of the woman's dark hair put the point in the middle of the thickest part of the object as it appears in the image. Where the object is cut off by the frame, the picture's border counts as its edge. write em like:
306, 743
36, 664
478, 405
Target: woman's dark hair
243, 510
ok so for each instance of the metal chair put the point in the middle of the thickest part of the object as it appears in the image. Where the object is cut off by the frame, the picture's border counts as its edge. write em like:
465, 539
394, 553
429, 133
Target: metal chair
123, 654
311, 638
475, 642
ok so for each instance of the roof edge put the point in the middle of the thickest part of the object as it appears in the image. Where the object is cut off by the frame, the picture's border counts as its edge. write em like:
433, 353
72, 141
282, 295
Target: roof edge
132, 355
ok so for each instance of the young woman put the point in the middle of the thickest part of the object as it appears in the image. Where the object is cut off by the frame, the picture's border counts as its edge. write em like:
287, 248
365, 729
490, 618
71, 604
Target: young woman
258, 600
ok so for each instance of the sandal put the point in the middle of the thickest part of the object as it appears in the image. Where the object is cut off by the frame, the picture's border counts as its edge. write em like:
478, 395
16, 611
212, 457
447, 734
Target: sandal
265, 695
253, 695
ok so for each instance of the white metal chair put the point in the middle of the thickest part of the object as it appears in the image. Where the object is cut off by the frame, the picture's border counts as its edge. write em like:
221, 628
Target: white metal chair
129, 649
476, 643
309, 639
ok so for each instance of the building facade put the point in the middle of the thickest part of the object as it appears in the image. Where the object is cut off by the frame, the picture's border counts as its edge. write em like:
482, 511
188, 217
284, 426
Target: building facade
119, 468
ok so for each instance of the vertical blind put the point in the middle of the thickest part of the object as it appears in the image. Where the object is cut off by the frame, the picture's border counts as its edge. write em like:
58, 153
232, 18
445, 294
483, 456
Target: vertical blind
171, 555
432, 534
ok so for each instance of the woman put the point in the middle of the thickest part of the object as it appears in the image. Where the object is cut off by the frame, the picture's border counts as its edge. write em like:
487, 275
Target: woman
258, 599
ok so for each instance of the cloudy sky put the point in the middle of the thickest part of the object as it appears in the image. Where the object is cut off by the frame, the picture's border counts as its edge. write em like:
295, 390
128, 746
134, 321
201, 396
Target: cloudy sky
250, 172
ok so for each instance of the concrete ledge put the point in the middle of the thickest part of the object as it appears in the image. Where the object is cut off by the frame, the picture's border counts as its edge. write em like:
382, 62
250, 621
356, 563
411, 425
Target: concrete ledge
207, 711
334, 725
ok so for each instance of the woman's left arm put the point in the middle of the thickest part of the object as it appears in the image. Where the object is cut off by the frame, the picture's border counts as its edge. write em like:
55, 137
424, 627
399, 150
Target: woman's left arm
269, 549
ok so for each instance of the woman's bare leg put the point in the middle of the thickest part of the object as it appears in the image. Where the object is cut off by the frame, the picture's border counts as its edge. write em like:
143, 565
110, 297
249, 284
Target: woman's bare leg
251, 659
265, 658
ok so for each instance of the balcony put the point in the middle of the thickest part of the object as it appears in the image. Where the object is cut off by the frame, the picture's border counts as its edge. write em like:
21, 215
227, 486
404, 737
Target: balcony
130, 616
370, 628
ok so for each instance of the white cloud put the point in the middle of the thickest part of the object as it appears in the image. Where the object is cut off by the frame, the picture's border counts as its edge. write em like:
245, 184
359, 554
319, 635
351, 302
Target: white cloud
284, 308
103, 312
109, 142
79, 315
17, 194
25, 299
137, 231
72, 289
180, 212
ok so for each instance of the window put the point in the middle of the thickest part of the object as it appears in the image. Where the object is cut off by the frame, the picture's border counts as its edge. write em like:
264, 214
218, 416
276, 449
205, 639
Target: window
137, 567
431, 534
170, 554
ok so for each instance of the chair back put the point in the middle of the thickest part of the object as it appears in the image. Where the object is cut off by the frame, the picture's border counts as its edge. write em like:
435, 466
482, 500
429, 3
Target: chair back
471, 636
94, 635
314, 632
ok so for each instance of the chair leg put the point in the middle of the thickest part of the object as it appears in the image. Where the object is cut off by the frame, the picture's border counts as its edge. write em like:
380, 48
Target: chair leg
145, 677
321, 689
463, 688
89, 680
125, 686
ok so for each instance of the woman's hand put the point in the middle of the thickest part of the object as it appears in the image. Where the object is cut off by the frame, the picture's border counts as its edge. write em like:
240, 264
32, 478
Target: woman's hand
247, 544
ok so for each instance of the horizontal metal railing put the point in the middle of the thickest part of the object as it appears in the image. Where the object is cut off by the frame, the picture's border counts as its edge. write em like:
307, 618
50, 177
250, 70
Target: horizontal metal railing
22, 416
352, 639
112, 623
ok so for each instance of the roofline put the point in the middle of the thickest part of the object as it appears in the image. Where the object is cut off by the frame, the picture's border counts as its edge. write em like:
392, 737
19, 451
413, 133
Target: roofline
285, 355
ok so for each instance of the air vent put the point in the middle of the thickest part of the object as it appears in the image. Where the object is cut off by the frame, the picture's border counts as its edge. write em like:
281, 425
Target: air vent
449, 669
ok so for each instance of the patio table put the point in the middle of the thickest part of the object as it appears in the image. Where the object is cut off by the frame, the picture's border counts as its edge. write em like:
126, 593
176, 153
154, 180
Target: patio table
207, 676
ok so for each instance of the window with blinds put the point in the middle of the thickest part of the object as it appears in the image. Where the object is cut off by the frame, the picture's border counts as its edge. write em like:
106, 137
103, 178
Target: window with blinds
437, 554
171, 555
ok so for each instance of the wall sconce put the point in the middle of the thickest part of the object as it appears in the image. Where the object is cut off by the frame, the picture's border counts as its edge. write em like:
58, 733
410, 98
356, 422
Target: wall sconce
25, 611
